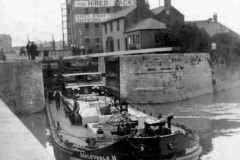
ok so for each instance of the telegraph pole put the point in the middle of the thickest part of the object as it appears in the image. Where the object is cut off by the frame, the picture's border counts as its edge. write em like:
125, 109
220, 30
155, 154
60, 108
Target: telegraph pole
27, 37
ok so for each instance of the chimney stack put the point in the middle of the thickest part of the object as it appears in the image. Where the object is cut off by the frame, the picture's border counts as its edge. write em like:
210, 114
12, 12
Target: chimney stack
140, 2
148, 5
142, 8
215, 18
167, 3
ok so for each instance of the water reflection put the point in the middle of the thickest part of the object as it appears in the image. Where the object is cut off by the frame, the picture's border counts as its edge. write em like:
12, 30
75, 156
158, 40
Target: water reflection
37, 124
216, 117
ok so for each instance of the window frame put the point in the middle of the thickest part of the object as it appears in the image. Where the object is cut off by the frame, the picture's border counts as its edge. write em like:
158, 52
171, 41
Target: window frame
88, 39
108, 10
96, 10
96, 41
98, 25
118, 25
118, 42
87, 24
86, 11
137, 39
111, 26
129, 39
133, 39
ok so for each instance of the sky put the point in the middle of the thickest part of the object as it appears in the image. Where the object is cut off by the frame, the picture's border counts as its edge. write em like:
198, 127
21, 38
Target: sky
40, 19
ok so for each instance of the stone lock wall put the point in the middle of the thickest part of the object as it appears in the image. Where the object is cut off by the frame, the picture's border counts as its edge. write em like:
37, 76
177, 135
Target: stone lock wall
21, 86
225, 77
160, 78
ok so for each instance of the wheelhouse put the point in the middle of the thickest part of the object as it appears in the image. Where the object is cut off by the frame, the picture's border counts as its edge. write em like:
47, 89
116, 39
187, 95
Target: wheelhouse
83, 83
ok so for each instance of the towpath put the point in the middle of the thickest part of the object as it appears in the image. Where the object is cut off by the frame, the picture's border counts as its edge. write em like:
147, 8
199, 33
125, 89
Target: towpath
16, 141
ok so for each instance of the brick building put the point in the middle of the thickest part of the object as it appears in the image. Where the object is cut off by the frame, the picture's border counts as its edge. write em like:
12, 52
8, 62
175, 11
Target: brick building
131, 28
168, 14
142, 35
85, 18
6, 42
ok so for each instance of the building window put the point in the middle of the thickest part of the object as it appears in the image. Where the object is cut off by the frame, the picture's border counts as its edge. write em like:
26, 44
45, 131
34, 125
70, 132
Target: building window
137, 38
95, 10
118, 25
129, 39
108, 10
111, 26
97, 40
86, 25
105, 28
118, 41
86, 11
133, 39
167, 12
87, 40
97, 26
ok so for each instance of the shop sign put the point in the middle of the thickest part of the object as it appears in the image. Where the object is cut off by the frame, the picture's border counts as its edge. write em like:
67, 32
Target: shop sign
103, 3
94, 3
92, 17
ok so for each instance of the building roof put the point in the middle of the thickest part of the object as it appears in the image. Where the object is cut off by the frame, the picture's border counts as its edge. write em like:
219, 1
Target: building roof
147, 24
201, 23
211, 27
158, 10
5, 36
122, 13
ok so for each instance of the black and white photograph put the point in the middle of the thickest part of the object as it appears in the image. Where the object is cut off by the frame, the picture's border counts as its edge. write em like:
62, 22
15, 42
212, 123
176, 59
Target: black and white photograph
119, 79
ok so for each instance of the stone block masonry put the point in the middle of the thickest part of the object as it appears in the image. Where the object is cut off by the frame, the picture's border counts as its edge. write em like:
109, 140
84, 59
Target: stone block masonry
21, 86
160, 78
225, 77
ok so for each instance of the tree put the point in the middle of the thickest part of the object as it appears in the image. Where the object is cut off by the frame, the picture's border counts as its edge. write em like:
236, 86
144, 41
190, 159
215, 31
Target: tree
228, 49
189, 37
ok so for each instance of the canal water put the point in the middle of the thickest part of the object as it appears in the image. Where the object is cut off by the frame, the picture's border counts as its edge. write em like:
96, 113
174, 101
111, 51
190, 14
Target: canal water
216, 118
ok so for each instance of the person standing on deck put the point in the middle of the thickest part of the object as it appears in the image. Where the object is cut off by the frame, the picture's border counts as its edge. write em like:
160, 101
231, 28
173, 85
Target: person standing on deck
57, 95
76, 115
28, 50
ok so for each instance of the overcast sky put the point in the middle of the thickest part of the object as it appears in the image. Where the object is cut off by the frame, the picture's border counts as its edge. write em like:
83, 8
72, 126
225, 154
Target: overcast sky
42, 18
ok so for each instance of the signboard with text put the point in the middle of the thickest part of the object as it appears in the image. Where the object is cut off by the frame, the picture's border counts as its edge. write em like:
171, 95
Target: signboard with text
103, 3
92, 17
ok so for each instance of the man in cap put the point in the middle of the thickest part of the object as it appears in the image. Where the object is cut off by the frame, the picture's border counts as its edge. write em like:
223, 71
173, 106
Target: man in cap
57, 95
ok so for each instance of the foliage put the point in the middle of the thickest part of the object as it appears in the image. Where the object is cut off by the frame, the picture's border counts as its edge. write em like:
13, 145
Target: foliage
228, 49
189, 37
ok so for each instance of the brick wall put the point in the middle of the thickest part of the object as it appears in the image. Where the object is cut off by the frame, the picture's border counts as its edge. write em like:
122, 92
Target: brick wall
165, 77
115, 34
21, 86
147, 38
173, 17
